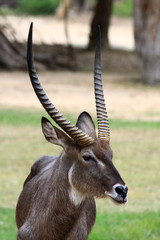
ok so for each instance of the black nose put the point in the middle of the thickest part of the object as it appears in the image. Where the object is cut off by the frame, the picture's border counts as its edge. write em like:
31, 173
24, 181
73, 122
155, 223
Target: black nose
122, 191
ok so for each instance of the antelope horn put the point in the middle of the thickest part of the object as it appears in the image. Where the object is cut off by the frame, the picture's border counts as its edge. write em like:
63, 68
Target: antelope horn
74, 132
103, 123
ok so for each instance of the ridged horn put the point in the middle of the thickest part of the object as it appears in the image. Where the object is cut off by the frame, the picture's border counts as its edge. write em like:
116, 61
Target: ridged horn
74, 132
103, 123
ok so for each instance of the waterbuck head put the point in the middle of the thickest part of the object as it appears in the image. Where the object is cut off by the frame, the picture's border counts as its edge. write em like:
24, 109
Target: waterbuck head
91, 171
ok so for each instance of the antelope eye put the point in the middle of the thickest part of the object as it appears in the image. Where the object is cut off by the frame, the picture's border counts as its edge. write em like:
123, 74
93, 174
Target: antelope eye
87, 157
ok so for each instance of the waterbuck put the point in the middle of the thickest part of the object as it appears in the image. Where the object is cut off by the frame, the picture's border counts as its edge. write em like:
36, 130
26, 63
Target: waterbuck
57, 200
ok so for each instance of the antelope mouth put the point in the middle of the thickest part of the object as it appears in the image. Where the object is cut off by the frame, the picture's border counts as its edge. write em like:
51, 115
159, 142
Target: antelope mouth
119, 201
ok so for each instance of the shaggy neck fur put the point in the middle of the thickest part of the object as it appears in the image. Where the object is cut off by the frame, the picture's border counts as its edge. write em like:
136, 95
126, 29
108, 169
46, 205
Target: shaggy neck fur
75, 197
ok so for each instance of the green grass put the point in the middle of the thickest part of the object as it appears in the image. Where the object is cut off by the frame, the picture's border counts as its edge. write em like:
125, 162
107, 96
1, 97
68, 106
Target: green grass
4, 11
136, 151
37, 7
119, 226
21, 117
123, 8
7, 224
127, 226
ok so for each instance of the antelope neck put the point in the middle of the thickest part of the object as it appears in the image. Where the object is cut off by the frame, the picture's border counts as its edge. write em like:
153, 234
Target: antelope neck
75, 196
65, 171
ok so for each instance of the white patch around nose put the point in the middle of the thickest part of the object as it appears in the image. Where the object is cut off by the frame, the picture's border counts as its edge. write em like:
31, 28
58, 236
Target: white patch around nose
75, 196
113, 194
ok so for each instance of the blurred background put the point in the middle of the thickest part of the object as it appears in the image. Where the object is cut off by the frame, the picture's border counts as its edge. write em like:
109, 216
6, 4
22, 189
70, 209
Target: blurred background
64, 41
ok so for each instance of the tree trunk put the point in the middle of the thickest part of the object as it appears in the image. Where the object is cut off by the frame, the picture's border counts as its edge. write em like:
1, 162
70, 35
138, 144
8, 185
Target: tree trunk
62, 9
10, 57
102, 15
147, 38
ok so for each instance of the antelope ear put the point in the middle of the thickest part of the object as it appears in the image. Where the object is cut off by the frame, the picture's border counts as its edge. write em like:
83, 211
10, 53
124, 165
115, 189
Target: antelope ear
54, 135
86, 124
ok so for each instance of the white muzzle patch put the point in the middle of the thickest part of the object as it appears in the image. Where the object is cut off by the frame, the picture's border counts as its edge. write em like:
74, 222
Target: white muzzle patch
115, 195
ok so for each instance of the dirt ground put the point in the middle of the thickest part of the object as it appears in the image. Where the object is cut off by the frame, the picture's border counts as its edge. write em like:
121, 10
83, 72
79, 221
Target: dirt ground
50, 30
72, 92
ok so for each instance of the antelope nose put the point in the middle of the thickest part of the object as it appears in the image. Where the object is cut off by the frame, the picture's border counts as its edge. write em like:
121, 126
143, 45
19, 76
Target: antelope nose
122, 191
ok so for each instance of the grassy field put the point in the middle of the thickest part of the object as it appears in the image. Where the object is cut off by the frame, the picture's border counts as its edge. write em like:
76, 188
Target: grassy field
136, 155
119, 226
123, 8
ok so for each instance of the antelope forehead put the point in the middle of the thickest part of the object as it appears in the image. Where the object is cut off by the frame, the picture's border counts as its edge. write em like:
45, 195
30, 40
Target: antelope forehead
103, 151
